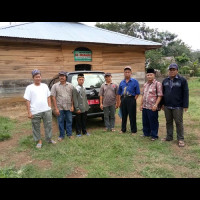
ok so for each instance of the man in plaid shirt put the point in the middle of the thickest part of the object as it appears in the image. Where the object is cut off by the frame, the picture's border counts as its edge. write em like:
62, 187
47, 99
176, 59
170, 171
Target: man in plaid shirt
152, 95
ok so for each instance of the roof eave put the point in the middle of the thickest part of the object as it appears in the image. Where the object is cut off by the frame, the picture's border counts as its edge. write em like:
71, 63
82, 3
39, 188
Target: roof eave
36, 40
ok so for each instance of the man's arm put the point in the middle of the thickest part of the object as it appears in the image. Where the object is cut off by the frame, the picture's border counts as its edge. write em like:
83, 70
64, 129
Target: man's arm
30, 116
57, 112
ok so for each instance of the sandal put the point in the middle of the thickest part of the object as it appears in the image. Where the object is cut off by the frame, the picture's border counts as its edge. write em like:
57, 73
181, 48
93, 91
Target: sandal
39, 146
113, 130
181, 143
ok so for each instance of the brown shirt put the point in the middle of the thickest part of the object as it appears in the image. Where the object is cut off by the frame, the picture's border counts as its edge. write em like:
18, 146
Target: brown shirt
63, 95
109, 92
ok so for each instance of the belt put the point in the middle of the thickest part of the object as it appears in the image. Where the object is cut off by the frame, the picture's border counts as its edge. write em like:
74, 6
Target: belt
127, 96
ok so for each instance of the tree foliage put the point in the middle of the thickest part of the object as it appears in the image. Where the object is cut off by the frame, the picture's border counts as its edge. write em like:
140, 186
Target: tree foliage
172, 47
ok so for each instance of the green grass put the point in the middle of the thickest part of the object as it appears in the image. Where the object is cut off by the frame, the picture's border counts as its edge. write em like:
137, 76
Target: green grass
113, 155
6, 128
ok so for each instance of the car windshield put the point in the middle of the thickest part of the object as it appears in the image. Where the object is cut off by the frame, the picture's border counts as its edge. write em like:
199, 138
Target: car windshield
91, 80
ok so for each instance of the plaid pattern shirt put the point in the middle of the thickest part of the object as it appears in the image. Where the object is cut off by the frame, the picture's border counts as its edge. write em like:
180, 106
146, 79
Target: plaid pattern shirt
151, 91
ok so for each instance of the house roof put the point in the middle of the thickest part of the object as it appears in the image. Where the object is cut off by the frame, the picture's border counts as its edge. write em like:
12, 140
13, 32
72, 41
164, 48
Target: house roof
71, 32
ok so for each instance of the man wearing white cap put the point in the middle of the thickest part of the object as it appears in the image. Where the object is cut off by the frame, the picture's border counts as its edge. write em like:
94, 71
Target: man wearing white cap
128, 93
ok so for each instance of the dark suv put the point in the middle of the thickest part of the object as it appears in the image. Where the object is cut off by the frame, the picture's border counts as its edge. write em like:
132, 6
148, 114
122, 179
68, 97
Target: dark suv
92, 84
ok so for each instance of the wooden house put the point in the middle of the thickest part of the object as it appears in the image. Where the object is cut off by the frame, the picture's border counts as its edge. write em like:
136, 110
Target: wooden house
65, 46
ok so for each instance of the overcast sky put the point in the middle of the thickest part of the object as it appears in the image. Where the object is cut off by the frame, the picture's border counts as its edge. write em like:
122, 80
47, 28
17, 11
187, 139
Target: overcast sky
188, 32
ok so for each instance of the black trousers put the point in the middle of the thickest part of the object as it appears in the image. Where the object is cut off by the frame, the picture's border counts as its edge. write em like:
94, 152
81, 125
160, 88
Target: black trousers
81, 123
128, 107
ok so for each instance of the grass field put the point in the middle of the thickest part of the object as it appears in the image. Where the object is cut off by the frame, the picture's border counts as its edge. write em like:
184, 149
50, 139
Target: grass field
110, 155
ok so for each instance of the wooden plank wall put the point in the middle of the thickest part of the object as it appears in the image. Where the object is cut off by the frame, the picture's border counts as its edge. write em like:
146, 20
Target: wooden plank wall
17, 60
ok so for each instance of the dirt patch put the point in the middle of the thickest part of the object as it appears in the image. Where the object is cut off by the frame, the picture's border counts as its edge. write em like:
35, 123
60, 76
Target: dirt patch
16, 109
78, 173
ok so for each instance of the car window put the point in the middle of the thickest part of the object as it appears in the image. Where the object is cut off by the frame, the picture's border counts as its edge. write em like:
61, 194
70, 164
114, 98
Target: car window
91, 80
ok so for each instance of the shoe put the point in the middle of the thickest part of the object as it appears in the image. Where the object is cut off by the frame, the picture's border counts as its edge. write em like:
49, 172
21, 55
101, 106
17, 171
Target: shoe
121, 132
165, 139
181, 143
71, 137
60, 139
113, 130
52, 142
153, 139
87, 134
39, 146
79, 135
133, 133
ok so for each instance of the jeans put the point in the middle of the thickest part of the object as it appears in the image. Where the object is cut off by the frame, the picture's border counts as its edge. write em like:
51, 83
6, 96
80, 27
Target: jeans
109, 116
150, 123
177, 116
47, 121
65, 121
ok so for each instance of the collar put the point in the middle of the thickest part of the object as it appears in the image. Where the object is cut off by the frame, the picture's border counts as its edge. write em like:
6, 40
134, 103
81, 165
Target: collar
107, 83
131, 79
154, 80
64, 84
174, 77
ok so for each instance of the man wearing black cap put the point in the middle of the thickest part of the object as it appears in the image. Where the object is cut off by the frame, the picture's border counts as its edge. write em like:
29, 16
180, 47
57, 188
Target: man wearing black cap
62, 96
175, 101
80, 106
151, 97
108, 101
129, 91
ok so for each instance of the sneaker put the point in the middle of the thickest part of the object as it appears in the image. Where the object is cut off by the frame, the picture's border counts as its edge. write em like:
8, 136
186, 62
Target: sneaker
78, 135
87, 134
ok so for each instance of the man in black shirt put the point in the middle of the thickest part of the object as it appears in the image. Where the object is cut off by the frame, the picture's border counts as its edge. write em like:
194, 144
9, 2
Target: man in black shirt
175, 100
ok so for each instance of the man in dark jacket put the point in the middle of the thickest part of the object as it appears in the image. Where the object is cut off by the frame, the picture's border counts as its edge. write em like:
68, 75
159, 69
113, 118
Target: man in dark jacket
175, 100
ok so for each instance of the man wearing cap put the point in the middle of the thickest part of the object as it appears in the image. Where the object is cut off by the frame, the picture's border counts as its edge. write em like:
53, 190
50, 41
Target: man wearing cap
108, 101
62, 97
128, 91
38, 104
175, 101
151, 97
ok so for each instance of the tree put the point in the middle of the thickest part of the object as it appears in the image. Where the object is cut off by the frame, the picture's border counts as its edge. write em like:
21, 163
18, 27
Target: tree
171, 46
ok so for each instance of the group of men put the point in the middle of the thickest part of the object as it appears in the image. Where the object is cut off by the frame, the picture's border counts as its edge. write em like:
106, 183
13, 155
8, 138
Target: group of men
172, 95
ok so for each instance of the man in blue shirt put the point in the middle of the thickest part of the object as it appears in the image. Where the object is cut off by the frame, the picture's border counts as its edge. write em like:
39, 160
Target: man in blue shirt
128, 91
175, 101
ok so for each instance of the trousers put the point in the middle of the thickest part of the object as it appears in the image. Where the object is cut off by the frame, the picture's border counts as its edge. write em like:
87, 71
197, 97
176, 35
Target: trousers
128, 108
177, 116
81, 123
47, 121
150, 123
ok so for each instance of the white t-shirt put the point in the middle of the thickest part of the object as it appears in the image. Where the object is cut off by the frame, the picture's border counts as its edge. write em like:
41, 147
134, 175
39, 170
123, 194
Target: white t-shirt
37, 95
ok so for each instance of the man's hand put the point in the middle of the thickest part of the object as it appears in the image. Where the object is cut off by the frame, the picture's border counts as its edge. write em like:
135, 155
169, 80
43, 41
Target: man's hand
101, 106
30, 116
78, 112
57, 112
185, 109
141, 107
72, 109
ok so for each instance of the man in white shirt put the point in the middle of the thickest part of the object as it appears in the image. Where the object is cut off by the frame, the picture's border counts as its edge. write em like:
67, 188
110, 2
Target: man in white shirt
38, 104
